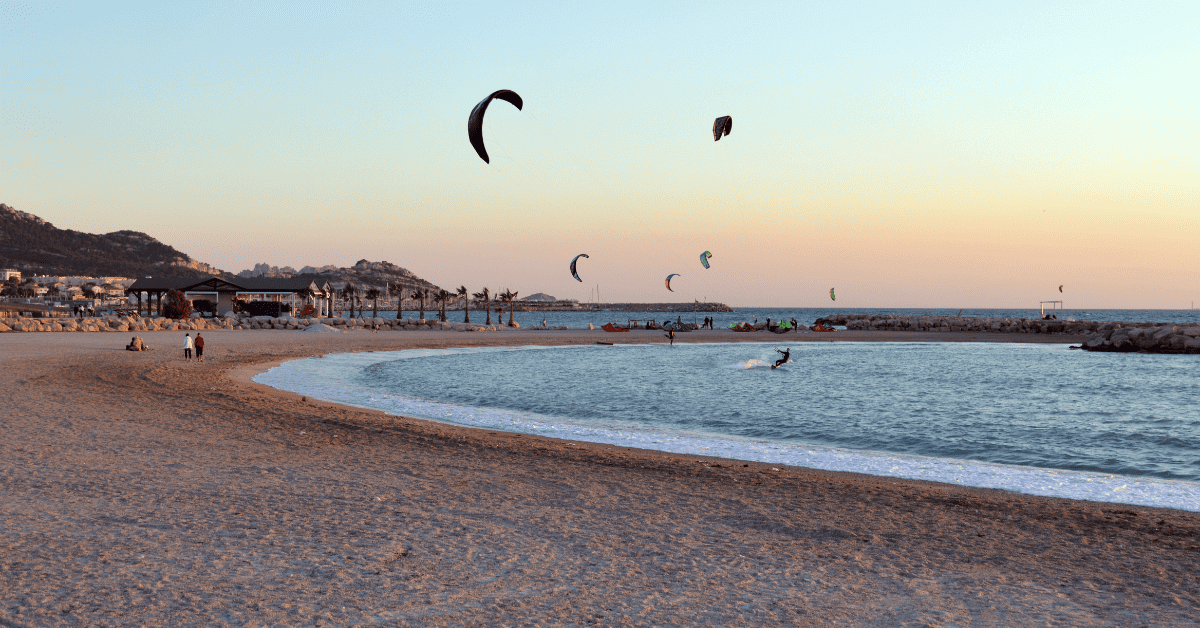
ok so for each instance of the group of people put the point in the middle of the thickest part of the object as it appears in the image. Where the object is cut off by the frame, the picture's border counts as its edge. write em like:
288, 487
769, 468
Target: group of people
189, 344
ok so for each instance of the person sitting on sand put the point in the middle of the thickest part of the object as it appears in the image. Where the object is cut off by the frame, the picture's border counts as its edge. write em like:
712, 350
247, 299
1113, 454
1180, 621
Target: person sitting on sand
787, 354
134, 345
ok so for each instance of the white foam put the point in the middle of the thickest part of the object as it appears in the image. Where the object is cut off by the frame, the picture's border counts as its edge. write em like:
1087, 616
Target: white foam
333, 379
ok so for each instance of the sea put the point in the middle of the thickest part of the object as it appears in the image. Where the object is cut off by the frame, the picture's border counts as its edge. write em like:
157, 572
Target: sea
1038, 419
580, 320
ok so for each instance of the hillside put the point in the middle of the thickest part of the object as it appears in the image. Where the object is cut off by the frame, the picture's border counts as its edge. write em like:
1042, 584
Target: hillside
363, 273
36, 247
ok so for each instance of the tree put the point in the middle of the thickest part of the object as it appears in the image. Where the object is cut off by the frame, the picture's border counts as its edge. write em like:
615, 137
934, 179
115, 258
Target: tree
373, 295
348, 293
419, 296
177, 305
462, 293
486, 297
441, 296
508, 296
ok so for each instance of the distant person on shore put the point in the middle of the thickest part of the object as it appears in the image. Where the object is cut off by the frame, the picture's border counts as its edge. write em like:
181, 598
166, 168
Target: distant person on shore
671, 336
787, 354
187, 347
199, 348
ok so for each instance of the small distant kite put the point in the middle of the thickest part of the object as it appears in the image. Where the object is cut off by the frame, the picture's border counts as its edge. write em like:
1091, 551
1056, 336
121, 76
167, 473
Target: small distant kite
475, 120
573, 273
722, 126
1060, 288
832, 296
668, 281
704, 258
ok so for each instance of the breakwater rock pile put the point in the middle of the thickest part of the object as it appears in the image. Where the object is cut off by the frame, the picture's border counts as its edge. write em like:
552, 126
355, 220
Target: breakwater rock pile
1142, 339
132, 324
1097, 335
897, 322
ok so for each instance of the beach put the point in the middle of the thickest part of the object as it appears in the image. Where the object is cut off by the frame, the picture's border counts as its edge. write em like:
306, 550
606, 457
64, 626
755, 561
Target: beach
140, 489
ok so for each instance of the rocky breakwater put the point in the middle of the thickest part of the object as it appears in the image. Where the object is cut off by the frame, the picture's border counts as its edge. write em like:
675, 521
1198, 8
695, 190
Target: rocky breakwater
1098, 336
114, 323
1146, 339
229, 322
897, 322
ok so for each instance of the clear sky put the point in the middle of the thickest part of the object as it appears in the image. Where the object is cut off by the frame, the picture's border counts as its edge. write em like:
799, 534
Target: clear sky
954, 154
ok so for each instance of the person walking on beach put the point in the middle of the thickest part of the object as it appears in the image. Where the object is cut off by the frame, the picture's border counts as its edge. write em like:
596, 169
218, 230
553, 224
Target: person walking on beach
671, 335
187, 347
787, 353
199, 348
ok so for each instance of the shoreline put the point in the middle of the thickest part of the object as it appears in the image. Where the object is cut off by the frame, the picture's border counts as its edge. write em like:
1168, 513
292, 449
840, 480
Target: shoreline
329, 384
139, 489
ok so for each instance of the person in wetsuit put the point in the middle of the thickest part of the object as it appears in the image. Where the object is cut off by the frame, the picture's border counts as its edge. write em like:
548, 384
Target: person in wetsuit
787, 353
671, 335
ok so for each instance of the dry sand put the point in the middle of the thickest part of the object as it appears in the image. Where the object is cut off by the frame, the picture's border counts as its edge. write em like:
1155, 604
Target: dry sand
137, 489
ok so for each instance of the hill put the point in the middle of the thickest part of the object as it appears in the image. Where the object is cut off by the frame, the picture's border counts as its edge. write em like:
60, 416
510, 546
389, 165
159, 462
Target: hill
36, 247
364, 273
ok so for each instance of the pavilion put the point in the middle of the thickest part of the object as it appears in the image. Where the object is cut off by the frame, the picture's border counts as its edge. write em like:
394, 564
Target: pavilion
227, 291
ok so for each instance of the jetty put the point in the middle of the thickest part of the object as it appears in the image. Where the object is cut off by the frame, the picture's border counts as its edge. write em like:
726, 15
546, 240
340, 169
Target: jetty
1104, 336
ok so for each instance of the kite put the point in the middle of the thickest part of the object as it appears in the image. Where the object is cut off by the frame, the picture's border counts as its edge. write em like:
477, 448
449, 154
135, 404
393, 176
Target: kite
1060, 288
573, 273
475, 120
668, 281
722, 126
704, 258
832, 296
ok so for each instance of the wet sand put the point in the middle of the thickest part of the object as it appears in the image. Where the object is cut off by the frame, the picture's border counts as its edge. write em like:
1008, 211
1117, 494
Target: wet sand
137, 489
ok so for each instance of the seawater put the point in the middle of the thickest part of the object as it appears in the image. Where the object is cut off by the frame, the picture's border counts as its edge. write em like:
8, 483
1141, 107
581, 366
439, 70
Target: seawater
580, 320
1031, 418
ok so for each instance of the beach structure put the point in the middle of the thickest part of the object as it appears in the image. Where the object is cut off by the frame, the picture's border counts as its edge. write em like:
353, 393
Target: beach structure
279, 289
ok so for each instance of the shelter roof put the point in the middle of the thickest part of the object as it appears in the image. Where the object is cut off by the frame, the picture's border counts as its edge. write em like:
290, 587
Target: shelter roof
217, 284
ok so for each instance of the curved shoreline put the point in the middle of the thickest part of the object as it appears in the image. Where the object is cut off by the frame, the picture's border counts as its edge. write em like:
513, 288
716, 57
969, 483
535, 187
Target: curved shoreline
139, 489
299, 378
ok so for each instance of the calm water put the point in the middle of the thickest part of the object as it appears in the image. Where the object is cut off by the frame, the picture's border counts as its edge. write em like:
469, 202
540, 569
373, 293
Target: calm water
577, 320
1032, 418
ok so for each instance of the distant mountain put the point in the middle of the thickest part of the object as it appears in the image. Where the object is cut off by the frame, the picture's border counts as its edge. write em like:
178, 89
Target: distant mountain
363, 274
36, 247
541, 296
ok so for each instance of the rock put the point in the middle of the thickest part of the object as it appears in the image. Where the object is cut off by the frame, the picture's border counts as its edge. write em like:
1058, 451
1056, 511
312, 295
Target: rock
591, 327
4, 327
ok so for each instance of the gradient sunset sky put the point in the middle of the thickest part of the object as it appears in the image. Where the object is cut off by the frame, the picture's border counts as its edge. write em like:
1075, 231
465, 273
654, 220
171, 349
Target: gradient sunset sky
955, 154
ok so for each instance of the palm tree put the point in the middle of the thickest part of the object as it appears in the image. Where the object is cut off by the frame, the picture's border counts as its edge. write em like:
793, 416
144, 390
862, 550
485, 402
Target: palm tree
373, 295
508, 296
443, 296
348, 293
486, 297
419, 295
462, 293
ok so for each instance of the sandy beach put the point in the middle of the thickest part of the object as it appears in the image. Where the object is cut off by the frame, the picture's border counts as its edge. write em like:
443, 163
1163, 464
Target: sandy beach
138, 489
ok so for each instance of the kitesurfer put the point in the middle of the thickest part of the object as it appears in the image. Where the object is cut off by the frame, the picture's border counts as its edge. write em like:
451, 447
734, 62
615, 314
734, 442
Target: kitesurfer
787, 354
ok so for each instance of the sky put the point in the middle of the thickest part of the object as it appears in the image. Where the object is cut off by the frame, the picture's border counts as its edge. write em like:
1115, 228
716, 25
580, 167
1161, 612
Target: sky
915, 154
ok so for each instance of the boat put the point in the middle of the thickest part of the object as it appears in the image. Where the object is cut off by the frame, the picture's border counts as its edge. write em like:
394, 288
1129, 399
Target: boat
609, 327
